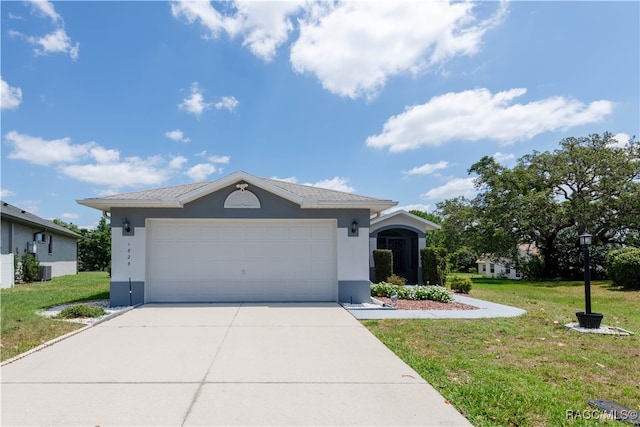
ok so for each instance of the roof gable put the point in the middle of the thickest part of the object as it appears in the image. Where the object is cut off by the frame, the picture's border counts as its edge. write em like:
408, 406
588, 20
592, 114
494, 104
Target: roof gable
307, 197
404, 218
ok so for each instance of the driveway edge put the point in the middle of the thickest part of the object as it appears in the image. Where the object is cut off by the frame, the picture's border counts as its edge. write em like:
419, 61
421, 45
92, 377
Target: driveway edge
67, 335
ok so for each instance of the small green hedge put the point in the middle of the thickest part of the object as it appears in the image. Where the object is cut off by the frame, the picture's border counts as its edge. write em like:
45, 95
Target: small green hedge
623, 267
432, 293
81, 310
460, 284
383, 263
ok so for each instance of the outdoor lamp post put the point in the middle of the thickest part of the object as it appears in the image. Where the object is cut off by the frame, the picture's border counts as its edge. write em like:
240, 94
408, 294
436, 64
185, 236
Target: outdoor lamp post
587, 319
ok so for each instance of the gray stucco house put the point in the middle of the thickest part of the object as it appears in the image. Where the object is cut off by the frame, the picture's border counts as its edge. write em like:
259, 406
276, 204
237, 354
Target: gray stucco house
53, 245
240, 238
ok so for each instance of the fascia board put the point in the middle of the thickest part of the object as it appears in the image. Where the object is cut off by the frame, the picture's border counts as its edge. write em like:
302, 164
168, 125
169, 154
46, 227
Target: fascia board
372, 205
107, 204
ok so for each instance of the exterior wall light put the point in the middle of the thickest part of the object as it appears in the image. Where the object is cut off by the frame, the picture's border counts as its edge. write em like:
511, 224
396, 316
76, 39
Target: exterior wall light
126, 225
354, 227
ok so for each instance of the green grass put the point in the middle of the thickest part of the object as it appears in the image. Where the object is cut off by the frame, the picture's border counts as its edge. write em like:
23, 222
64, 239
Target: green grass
22, 329
529, 370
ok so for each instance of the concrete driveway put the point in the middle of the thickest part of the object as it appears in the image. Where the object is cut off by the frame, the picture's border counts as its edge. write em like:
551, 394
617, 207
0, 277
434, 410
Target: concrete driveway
221, 364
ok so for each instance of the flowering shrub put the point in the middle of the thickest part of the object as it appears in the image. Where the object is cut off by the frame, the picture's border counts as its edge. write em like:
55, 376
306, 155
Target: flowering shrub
433, 293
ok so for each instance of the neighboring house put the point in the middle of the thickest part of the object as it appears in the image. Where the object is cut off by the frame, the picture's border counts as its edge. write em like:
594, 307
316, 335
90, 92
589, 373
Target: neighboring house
55, 247
491, 266
239, 238
497, 267
405, 234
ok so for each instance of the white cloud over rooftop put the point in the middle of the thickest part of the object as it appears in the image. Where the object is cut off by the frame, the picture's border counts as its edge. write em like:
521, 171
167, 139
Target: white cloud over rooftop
478, 114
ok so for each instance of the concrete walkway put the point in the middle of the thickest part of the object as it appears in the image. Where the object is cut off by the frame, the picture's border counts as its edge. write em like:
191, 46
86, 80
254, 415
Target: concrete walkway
485, 310
221, 364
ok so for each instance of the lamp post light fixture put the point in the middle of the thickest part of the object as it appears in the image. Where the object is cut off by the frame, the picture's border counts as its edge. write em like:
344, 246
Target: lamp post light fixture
587, 319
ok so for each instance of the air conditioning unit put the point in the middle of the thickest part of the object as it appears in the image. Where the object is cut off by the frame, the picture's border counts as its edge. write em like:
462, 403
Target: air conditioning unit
44, 273
32, 247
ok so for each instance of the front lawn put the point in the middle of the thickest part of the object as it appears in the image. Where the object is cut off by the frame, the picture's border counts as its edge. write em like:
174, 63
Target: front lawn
22, 329
530, 370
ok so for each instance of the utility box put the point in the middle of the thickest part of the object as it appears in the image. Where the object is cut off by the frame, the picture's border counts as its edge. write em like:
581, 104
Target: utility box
44, 274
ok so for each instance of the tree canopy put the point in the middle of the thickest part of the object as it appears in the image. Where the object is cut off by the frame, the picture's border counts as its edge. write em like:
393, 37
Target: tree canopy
587, 184
94, 249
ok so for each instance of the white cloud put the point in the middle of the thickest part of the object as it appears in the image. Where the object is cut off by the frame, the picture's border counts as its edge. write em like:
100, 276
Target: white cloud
6, 193
220, 159
478, 114
45, 8
454, 188
264, 25
622, 140
39, 151
428, 169
200, 172
106, 167
354, 47
103, 155
68, 215
176, 135
11, 97
228, 102
177, 162
130, 172
55, 42
195, 103
502, 157
336, 183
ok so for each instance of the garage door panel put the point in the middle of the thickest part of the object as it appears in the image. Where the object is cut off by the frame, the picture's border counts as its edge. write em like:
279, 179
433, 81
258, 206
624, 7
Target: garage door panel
241, 260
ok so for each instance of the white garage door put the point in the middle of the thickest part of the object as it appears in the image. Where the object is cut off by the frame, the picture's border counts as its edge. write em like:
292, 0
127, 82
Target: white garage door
241, 260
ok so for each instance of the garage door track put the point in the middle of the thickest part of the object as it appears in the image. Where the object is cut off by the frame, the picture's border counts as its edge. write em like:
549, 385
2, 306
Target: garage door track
221, 364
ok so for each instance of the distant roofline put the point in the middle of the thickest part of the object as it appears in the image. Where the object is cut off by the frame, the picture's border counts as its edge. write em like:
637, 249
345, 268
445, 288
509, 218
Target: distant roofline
17, 214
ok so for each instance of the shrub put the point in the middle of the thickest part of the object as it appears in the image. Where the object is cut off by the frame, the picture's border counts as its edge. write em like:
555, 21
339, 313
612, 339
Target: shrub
623, 267
29, 268
383, 264
433, 293
434, 266
81, 310
394, 279
460, 284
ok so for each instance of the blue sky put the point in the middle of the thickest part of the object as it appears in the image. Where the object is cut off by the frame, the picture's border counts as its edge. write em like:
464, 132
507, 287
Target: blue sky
387, 99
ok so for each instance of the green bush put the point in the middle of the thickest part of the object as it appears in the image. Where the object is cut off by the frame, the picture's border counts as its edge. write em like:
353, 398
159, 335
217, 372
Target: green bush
433, 293
383, 264
81, 310
460, 284
434, 266
394, 279
623, 267
29, 268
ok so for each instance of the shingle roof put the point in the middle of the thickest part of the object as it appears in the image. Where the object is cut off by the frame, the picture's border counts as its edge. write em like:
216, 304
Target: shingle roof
20, 215
166, 193
317, 193
305, 195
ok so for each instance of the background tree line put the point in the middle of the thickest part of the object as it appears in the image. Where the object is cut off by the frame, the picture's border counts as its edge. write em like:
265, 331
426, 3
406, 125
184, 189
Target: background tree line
94, 248
546, 200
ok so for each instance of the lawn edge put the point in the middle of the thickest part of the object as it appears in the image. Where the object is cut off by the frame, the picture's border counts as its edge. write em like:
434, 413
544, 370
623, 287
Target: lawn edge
65, 336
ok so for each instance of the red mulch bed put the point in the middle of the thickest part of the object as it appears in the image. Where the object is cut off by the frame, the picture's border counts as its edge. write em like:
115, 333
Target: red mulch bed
405, 304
